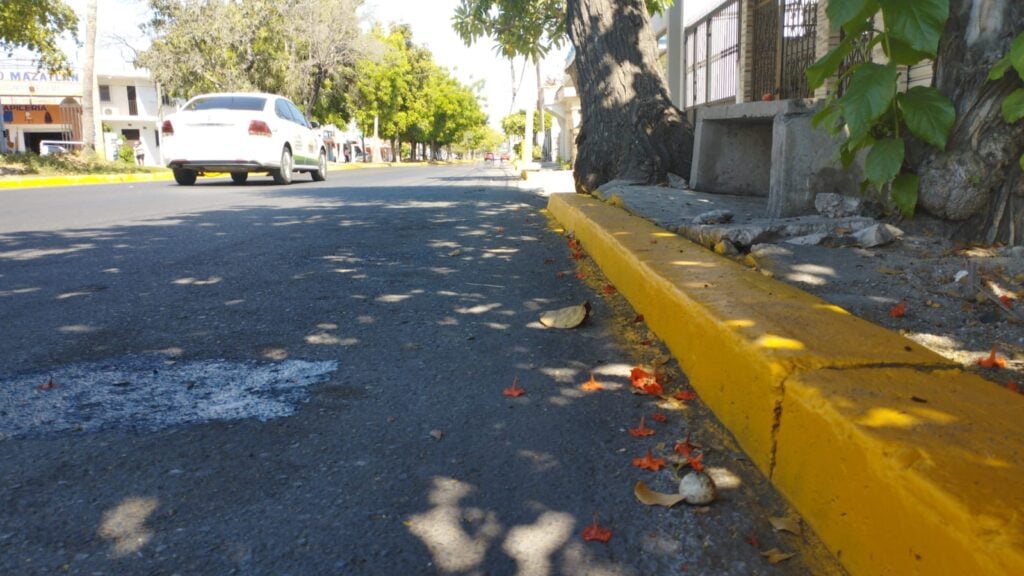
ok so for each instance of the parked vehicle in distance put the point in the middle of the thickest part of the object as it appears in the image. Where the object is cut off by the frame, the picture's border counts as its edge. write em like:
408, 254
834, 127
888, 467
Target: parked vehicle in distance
489, 157
505, 157
48, 147
241, 133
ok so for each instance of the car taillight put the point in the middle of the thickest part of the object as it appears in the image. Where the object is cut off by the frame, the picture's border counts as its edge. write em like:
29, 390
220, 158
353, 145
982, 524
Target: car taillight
167, 129
259, 128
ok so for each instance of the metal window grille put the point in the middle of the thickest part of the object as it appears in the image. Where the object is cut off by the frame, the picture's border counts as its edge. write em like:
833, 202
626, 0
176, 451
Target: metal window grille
712, 56
785, 33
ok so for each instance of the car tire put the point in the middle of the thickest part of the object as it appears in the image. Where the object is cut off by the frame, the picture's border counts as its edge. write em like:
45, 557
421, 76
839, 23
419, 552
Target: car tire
320, 174
239, 177
185, 177
283, 175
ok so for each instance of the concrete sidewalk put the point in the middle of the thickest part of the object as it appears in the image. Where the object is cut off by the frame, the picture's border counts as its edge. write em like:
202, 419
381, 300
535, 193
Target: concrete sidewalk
897, 458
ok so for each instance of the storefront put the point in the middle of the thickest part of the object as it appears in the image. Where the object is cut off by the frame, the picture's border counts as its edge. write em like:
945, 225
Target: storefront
38, 106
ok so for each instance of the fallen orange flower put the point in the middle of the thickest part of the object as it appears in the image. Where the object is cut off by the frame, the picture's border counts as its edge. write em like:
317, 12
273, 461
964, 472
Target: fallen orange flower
659, 417
648, 462
645, 381
577, 255
653, 389
581, 275
639, 318
1006, 300
591, 385
899, 310
684, 448
514, 391
641, 431
573, 244
992, 361
695, 462
595, 532
685, 396
609, 289
637, 374
48, 385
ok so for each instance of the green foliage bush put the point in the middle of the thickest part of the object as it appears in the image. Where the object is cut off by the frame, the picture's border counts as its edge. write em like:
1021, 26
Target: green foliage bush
872, 113
125, 153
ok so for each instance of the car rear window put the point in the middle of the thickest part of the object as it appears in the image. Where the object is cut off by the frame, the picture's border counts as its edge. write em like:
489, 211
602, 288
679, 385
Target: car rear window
254, 103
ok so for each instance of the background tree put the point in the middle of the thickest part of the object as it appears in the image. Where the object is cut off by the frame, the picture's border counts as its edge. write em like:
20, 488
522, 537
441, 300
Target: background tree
37, 25
302, 49
324, 39
90, 92
529, 28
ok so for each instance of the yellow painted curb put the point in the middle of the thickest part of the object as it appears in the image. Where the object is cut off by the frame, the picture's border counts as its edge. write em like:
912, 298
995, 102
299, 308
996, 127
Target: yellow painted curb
80, 179
824, 403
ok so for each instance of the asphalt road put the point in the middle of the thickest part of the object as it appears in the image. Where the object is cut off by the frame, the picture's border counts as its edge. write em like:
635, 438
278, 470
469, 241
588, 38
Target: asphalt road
308, 380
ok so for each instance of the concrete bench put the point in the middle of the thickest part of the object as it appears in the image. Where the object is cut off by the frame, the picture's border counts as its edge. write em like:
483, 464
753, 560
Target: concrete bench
769, 149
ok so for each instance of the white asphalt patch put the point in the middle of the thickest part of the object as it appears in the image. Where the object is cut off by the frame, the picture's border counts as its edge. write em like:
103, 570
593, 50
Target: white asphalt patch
149, 393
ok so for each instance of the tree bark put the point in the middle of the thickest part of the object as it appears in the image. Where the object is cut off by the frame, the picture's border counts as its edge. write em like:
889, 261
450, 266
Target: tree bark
540, 110
630, 129
89, 89
977, 181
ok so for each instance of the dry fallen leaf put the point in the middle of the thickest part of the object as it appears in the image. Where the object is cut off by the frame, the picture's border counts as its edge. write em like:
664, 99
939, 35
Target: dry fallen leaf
437, 434
786, 525
775, 555
568, 317
651, 498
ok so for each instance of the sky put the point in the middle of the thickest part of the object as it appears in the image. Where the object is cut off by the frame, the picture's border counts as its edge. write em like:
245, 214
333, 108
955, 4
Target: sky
430, 21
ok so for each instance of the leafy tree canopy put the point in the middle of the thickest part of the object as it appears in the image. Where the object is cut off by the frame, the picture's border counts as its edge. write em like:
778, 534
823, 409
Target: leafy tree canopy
37, 25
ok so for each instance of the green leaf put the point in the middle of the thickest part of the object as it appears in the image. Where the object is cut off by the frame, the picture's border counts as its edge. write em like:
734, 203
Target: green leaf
904, 193
884, 161
851, 15
928, 114
918, 23
1017, 54
1013, 106
1000, 68
868, 96
829, 64
1022, 161
900, 52
829, 116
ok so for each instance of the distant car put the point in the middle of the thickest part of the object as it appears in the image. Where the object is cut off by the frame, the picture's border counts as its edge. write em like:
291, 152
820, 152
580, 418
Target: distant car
505, 157
240, 133
48, 149
489, 157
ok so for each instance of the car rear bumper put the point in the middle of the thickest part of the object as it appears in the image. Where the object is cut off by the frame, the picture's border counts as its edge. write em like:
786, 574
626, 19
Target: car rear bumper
221, 165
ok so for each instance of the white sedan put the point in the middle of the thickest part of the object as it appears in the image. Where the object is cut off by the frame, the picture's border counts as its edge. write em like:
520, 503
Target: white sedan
241, 133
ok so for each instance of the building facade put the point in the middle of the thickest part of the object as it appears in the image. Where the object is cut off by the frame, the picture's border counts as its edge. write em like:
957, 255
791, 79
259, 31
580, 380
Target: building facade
38, 107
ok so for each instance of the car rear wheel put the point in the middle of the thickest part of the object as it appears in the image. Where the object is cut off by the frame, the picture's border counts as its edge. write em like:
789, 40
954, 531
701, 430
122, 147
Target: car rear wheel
283, 175
320, 174
185, 177
239, 177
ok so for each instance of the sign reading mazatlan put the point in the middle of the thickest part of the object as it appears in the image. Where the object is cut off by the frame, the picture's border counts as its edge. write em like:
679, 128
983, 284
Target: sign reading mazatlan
32, 114
27, 81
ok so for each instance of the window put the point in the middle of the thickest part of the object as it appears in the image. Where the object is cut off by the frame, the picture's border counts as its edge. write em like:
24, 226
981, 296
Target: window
253, 103
297, 115
104, 93
281, 109
133, 105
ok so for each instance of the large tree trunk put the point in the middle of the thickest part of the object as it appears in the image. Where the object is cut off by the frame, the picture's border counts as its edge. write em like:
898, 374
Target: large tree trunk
89, 89
630, 129
978, 181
